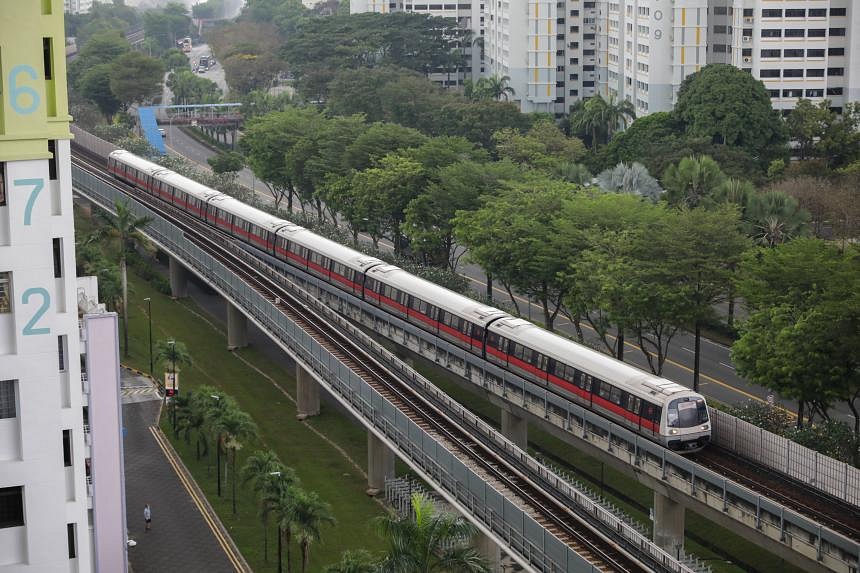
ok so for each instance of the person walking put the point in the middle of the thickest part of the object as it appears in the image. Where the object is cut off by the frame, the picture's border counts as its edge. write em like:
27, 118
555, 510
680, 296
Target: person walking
147, 516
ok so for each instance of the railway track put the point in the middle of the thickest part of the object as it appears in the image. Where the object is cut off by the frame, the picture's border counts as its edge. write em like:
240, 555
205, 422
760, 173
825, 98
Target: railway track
547, 510
841, 517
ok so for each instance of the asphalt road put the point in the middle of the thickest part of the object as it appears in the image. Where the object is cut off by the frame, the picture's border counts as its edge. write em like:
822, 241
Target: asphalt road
718, 378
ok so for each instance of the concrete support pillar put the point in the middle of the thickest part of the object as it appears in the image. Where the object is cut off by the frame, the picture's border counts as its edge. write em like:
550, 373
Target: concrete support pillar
515, 429
490, 550
380, 464
668, 524
178, 279
237, 328
307, 394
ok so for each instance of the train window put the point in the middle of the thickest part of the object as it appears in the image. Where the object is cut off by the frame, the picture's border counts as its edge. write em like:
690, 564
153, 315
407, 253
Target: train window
493, 339
477, 332
587, 382
603, 390
686, 412
615, 396
338, 268
465, 326
651, 412
635, 404
542, 362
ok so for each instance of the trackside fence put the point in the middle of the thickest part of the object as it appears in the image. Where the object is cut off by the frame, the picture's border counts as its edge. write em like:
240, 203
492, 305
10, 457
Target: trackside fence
819, 471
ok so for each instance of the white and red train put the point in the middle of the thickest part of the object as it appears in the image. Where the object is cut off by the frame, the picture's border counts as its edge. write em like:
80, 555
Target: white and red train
654, 407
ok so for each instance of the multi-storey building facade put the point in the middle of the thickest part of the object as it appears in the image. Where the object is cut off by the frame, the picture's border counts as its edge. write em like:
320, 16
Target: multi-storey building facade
44, 500
799, 49
77, 6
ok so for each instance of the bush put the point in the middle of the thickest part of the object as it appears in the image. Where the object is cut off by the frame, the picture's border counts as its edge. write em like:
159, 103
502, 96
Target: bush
831, 438
770, 418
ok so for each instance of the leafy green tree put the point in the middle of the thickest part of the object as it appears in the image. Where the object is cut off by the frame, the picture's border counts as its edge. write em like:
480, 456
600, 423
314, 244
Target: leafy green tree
248, 52
692, 182
167, 25
802, 335
356, 561
310, 514
429, 222
267, 476
544, 146
379, 140
94, 85
478, 121
512, 236
382, 194
136, 77
123, 233
840, 143
175, 59
189, 88
731, 107
645, 136
101, 48
430, 541
633, 179
807, 123
229, 162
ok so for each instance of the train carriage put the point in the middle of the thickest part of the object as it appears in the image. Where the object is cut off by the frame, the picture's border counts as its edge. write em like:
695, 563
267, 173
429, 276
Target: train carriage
654, 407
454, 317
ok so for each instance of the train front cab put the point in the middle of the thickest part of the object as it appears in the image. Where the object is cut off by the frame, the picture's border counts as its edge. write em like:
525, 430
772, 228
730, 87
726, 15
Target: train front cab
686, 426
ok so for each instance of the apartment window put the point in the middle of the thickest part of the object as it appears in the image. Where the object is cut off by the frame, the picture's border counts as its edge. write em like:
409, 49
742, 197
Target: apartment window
792, 53
748, 32
52, 162
795, 13
835, 11
746, 52
2, 184
73, 545
771, 13
834, 91
587, 52
61, 352
721, 10
835, 71
719, 48
574, 29
588, 68
792, 93
815, 53
818, 12
795, 33
816, 33
830, 52
815, 93
67, 448
719, 29
773, 93
58, 257
769, 73
837, 31
574, 77
770, 53
8, 407
574, 92
792, 73
817, 73
588, 84
47, 59
11, 507
771, 33
574, 12
749, 12
5, 293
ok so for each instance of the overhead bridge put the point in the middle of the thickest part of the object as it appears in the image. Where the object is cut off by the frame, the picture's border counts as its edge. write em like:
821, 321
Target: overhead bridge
542, 521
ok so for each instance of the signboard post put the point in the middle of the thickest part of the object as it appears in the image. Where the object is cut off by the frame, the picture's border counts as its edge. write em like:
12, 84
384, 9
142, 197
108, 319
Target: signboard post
171, 383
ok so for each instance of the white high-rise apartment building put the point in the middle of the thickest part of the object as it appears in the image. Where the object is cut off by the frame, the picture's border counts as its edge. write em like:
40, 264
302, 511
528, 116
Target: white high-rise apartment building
45, 486
799, 49
77, 6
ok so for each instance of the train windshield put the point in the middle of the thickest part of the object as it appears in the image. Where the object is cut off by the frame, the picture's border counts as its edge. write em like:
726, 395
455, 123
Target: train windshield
687, 412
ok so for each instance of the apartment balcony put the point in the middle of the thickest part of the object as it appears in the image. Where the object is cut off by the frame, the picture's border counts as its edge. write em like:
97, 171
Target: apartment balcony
85, 383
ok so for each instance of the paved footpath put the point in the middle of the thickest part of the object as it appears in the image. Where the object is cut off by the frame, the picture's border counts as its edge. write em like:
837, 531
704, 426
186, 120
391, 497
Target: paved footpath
181, 538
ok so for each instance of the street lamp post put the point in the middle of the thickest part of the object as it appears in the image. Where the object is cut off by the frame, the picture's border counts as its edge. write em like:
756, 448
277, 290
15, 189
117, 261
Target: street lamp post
149, 314
172, 344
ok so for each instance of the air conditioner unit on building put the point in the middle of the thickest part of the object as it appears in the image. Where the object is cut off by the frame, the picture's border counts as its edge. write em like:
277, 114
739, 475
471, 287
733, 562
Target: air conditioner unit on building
747, 60
747, 38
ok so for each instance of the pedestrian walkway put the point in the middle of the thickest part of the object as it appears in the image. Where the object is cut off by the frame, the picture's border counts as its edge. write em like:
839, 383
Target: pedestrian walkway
185, 536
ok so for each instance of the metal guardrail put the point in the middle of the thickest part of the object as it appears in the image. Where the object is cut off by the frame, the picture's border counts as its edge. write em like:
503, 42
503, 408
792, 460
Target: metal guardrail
775, 521
819, 471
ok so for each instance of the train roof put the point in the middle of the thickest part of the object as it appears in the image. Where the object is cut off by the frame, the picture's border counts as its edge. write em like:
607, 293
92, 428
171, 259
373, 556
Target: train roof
139, 163
331, 249
188, 186
604, 367
441, 297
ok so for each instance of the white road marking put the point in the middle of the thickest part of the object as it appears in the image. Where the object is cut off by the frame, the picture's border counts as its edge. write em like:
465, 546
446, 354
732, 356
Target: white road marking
729, 366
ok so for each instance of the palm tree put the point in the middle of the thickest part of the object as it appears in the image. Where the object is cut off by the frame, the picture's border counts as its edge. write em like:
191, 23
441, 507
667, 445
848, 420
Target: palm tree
693, 181
775, 218
633, 179
280, 503
429, 541
310, 513
267, 475
497, 87
596, 116
358, 561
234, 426
173, 353
124, 231
216, 408
573, 172
191, 418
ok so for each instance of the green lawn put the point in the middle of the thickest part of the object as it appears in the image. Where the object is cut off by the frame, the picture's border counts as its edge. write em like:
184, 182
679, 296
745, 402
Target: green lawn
251, 378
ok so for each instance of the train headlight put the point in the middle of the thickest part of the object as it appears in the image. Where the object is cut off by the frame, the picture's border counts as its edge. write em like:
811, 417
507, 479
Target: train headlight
706, 426
673, 431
